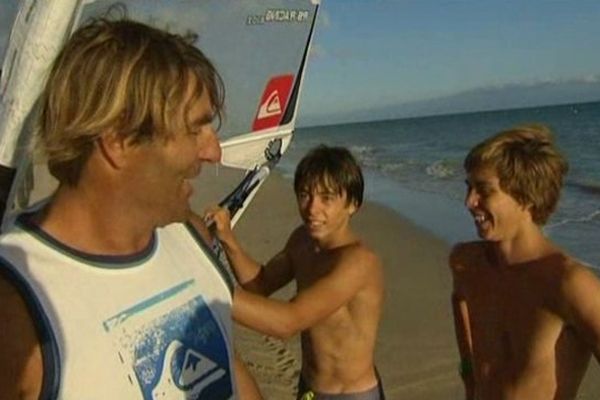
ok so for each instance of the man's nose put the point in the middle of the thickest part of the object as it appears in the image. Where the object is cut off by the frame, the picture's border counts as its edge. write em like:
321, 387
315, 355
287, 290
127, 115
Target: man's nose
210, 150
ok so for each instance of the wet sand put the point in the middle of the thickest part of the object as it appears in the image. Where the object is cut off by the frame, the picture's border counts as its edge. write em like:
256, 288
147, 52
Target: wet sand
416, 352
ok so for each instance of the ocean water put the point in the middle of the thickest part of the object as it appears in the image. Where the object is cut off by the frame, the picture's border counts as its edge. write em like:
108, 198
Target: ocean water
414, 166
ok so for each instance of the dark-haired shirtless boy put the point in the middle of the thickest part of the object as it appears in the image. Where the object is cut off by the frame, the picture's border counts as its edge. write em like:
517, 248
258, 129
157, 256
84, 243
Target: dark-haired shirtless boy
339, 281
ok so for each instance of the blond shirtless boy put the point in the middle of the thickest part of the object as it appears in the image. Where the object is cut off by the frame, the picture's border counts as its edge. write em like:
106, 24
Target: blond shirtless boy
527, 315
339, 280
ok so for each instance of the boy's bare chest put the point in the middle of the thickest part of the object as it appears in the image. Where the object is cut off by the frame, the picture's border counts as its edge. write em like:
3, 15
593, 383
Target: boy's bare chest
310, 266
513, 319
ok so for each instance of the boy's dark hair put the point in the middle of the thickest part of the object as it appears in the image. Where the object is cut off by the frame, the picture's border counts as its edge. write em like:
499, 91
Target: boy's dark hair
334, 168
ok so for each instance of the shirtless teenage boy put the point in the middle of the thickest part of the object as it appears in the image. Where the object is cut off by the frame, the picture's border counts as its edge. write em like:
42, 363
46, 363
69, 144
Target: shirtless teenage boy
339, 280
527, 315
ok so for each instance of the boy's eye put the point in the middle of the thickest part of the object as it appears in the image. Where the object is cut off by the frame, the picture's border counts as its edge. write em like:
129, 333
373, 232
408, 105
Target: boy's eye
485, 190
481, 189
328, 197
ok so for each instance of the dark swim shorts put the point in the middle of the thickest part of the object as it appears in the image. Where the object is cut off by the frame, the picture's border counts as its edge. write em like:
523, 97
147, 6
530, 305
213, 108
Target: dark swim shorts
375, 393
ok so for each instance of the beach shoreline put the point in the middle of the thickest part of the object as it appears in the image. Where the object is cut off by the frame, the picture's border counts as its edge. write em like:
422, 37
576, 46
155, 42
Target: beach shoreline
416, 353
408, 311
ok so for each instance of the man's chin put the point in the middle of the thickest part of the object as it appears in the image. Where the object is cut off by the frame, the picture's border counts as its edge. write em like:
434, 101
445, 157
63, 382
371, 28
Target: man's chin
181, 216
186, 215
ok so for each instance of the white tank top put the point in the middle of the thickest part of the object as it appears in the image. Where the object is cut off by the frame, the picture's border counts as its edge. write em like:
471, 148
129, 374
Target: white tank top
153, 325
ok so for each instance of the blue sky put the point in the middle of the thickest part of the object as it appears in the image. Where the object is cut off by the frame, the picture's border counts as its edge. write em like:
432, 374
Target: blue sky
373, 54
398, 56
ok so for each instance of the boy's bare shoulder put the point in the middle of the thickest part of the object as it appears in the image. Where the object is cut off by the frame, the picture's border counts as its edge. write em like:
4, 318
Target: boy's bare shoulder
359, 255
575, 277
578, 295
560, 270
465, 255
358, 262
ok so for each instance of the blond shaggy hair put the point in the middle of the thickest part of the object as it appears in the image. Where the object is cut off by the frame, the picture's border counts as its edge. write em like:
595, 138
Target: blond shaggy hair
119, 76
528, 165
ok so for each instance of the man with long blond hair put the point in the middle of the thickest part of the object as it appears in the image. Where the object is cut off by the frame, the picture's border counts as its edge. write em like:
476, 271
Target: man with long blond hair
527, 315
106, 288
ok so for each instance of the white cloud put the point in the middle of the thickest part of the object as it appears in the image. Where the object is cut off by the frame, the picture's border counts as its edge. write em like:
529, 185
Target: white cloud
174, 17
324, 20
317, 51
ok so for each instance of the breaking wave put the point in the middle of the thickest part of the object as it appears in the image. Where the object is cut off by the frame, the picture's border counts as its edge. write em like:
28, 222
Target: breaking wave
591, 188
580, 220
441, 169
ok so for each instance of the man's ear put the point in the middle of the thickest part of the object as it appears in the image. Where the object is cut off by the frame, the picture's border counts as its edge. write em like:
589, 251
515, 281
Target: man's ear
113, 148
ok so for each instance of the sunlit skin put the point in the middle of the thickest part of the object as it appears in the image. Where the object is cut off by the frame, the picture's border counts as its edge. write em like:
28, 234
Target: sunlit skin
340, 291
163, 169
149, 186
326, 215
126, 191
498, 217
526, 314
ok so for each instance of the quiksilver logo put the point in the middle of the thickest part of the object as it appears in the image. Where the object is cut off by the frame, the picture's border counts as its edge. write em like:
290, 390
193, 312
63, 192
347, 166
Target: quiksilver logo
196, 373
271, 106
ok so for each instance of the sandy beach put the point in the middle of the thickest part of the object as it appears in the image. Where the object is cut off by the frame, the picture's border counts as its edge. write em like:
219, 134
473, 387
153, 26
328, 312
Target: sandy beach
416, 352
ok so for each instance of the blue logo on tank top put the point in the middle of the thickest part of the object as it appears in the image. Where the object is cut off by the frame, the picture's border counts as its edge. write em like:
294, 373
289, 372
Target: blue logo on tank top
185, 371
181, 354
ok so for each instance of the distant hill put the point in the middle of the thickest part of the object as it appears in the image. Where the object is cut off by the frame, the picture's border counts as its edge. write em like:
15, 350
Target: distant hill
482, 99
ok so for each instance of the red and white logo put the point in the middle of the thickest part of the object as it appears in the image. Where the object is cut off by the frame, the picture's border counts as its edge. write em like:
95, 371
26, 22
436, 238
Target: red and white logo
273, 102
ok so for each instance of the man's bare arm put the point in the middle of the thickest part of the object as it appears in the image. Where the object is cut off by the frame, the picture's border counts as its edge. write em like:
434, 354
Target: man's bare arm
250, 274
20, 352
332, 291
